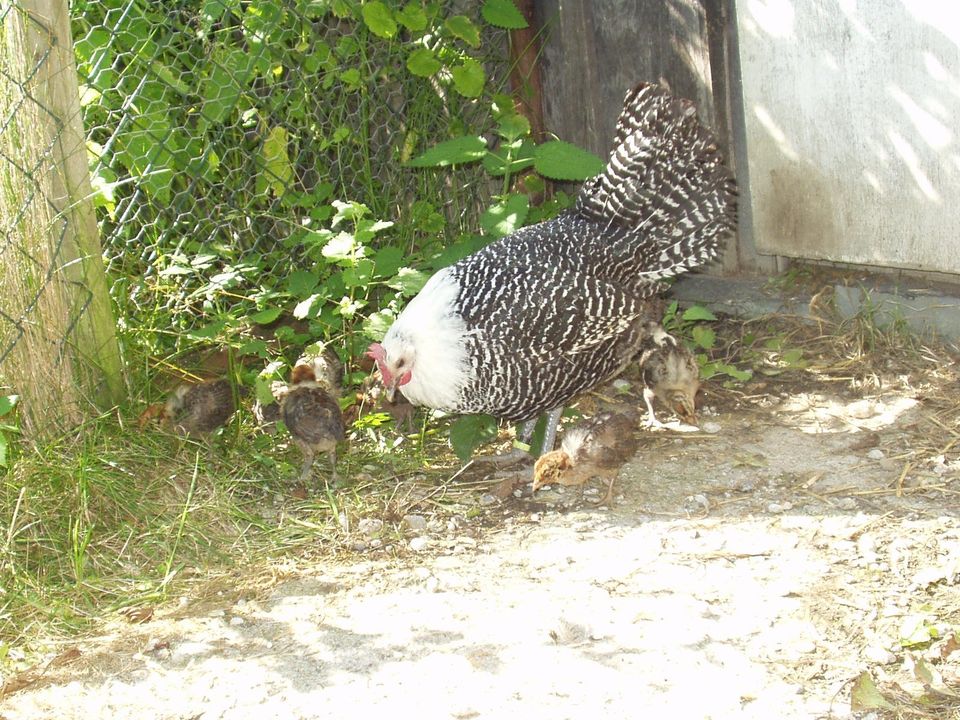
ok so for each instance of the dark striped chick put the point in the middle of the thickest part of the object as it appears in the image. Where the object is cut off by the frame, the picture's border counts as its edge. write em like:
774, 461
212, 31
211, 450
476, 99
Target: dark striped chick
312, 414
594, 448
670, 374
200, 409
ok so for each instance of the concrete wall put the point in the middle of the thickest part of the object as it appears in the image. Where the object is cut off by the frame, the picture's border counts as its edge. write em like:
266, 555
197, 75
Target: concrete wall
851, 123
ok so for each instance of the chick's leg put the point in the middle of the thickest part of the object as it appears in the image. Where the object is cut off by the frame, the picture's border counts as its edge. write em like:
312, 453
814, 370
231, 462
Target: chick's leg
333, 466
308, 456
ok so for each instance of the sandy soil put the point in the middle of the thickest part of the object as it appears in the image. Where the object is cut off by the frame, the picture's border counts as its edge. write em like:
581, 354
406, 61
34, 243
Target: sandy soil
751, 572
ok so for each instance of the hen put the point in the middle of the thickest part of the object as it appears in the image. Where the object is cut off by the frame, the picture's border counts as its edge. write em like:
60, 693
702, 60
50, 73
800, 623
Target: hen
551, 310
311, 411
670, 374
595, 448
201, 408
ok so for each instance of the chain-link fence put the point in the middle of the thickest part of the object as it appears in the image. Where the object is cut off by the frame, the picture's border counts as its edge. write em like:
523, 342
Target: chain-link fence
223, 133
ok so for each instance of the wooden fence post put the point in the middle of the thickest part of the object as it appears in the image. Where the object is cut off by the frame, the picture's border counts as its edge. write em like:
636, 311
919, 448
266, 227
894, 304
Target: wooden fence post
48, 219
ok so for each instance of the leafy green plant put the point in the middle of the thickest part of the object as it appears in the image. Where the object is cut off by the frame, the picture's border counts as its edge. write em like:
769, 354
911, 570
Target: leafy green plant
691, 326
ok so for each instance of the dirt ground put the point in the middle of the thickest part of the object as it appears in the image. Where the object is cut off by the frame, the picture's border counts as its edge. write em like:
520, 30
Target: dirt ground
808, 534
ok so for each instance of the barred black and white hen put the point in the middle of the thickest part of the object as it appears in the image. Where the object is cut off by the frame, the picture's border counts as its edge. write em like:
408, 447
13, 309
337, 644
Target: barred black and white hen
311, 411
670, 374
537, 317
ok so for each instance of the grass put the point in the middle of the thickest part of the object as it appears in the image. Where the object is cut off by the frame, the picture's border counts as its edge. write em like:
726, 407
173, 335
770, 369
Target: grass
114, 517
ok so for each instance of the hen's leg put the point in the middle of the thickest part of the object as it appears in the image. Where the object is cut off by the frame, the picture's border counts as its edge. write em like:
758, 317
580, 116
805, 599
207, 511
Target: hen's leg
651, 418
550, 431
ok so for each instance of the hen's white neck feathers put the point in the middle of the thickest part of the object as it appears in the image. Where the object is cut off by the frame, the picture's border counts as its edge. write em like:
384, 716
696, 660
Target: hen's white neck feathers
435, 333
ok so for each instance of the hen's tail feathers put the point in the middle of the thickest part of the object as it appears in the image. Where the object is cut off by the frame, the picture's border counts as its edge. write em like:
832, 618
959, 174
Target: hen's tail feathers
665, 183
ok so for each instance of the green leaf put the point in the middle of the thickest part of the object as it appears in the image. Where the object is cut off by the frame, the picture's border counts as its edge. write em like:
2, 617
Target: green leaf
703, 337
412, 17
697, 312
423, 63
359, 275
469, 78
408, 281
379, 19
503, 14
300, 283
3, 450
309, 307
506, 216
513, 126
560, 160
375, 326
469, 432
8, 403
388, 260
452, 152
267, 316
794, 359
278, 171
230, 72
866, 696
460, 26
341, 247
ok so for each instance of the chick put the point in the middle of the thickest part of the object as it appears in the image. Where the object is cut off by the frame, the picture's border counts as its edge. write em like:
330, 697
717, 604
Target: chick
311, 412
670, 374
200, 409
594, 448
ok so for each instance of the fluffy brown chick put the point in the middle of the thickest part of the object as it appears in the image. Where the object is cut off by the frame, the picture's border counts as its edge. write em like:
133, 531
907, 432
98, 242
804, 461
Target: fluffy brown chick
311, 412
201, 408
670, 374
594, 448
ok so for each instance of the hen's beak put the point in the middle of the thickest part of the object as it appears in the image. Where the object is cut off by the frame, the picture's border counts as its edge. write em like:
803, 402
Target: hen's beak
391, 391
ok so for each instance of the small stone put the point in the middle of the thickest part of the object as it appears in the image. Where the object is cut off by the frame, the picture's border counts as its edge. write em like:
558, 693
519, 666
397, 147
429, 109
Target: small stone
875, 454
700, 500
218, 613
847, 503
358, 546
776, 508
464, 540
710, 427
419, 544
432, 585
518, 493
376, 542
237, 620
414, 523
369, 527
486, 500
621, 385
879, 655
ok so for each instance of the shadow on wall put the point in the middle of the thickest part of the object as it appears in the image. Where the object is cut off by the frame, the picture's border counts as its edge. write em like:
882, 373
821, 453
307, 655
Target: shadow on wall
851, 122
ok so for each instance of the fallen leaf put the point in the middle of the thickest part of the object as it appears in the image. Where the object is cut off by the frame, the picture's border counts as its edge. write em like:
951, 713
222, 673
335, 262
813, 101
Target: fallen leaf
949, 646
866, 696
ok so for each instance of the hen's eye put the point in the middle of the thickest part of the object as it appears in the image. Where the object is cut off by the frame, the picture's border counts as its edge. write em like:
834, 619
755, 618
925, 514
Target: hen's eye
401, 362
